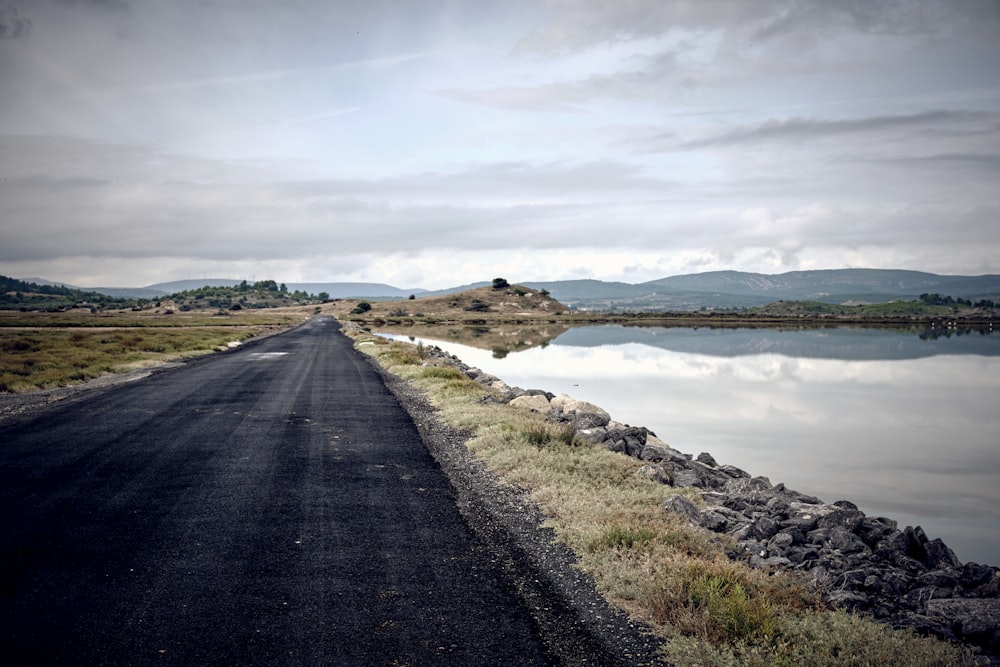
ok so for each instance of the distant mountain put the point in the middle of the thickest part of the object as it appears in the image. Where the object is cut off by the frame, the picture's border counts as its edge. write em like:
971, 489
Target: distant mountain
696, 291
335, 290
738, 289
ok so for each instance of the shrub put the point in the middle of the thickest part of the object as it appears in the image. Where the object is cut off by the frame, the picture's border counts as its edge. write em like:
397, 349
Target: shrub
500, 283
478, 306
362, 308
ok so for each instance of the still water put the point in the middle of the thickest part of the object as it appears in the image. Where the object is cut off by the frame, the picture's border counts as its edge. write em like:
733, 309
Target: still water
903, 425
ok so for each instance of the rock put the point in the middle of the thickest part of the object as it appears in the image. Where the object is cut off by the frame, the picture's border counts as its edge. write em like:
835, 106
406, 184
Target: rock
536, 403
873, 530
781, 542
615, 445
939, 555
850, 600
593, 435
571, 406
916, 539
846, 518
977, 619
765, 527
655, 473
892, 546
733, 471
714, 520
687, 478
683, 506
845, 541
974, 575
706, 459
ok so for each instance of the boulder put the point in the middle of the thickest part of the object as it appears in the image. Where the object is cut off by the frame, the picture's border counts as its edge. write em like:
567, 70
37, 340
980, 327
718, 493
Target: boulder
571, 406
683, 506
655, 473
536, 403
940, 555
976, 619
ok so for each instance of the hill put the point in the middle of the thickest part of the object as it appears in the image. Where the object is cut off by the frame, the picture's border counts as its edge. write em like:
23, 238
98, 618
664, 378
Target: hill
738, 289
713, 290
497, 299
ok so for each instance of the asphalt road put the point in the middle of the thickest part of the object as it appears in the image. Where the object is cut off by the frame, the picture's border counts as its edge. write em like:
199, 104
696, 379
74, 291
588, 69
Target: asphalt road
270, 505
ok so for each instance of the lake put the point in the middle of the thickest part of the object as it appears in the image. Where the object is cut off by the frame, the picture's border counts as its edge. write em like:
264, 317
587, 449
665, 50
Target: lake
903, 424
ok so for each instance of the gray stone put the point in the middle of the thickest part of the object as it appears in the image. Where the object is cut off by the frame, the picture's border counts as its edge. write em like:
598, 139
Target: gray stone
593, 435
655, 473
733, 471
849, 519
845, 541
714, 520
687, 478
536, 403
707, 459
850, 600
972, 616
683, 506
765, 527
589, 419
974, 575
939, 555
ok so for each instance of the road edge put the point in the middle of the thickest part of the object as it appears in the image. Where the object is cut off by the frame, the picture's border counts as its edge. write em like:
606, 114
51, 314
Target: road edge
577, 624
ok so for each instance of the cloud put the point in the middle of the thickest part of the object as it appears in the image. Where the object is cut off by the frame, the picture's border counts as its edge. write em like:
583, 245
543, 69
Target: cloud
12, 25
574, 25
808, 129
256, 77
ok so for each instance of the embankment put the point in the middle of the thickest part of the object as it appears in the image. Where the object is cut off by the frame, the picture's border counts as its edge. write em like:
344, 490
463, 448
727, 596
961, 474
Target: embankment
856, 562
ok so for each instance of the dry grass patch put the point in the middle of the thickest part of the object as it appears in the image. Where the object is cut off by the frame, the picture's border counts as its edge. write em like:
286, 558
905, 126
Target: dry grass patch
44, 350
711, 609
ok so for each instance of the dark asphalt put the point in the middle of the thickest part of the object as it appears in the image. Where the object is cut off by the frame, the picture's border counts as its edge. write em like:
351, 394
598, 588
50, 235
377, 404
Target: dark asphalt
270, 505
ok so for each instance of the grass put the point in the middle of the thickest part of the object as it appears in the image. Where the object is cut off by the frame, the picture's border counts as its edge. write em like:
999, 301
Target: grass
708, 608
44, 350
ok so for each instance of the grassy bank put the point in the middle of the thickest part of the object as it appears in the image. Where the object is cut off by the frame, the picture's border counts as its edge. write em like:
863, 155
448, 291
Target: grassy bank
44, 350
708, 608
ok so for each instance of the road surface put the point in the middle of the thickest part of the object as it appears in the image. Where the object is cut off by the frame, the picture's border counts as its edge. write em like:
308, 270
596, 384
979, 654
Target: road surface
270, 505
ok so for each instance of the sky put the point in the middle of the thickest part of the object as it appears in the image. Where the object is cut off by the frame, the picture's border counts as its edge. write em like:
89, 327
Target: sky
434, 143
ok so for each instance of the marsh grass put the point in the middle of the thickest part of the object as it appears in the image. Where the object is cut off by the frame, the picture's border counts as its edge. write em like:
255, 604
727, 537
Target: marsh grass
708, 608
51, 355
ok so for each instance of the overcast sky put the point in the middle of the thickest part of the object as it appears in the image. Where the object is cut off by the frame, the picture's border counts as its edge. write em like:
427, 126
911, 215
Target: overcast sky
435, 143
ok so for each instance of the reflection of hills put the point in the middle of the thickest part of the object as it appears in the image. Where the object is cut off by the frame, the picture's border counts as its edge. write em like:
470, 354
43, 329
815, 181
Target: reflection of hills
830, 343
500, 339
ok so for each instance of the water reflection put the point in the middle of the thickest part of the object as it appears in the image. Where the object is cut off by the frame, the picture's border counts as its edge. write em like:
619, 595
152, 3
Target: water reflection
905, 427
499, 340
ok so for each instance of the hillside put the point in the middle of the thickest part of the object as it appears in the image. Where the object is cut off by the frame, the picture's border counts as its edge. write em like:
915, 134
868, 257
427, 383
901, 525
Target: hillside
512, 301
738, 289
713, 290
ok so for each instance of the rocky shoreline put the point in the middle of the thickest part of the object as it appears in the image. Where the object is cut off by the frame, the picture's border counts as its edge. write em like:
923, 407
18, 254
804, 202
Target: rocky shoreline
858, 563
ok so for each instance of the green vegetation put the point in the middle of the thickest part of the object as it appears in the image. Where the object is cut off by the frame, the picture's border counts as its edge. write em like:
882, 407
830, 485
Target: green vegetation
20, 295
707, 607
261, 294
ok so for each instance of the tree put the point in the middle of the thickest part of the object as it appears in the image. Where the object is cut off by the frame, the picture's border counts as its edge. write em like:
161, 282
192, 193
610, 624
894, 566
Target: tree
500, 283
323, 296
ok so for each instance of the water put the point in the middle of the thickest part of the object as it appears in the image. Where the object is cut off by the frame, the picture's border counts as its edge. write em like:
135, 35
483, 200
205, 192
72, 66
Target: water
903, 426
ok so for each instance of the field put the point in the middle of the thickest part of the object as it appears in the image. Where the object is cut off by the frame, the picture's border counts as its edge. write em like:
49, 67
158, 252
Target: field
45, 350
